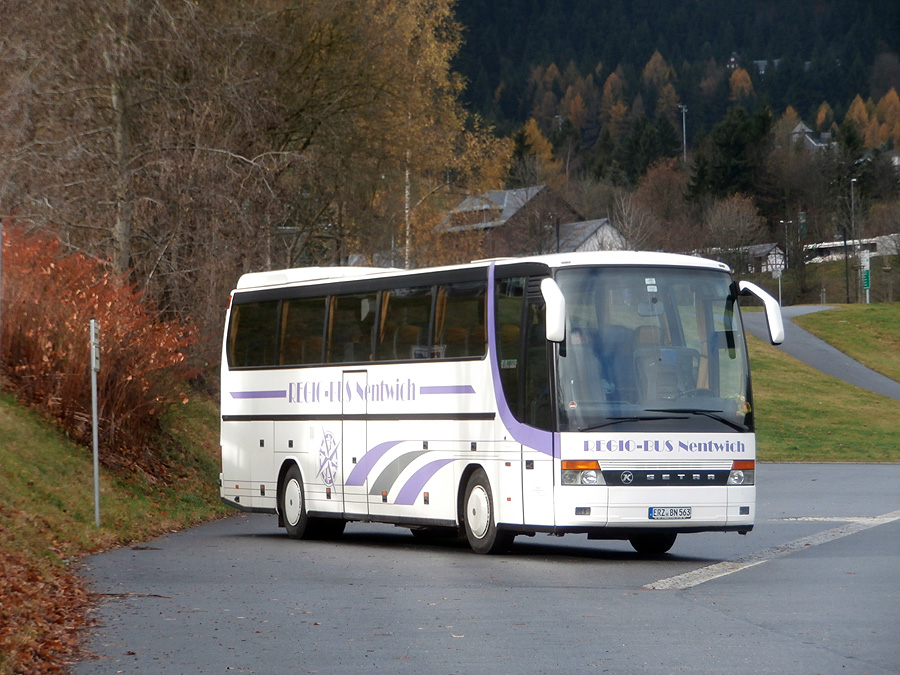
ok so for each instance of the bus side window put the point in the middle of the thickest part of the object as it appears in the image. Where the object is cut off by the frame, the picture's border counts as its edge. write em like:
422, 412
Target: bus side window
459, 320
253, 334
352, 326
510, 298
405, 324
302, 323
536, 375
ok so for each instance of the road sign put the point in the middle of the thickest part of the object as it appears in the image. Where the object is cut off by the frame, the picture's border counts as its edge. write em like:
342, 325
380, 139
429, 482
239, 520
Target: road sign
865, 263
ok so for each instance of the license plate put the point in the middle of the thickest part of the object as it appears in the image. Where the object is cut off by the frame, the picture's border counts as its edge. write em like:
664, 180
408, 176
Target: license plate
670, 513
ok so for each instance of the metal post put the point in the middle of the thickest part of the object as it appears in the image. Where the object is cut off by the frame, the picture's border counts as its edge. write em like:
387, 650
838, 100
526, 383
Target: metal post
846, 264
95, 368
853, 233
557, 232
683, 109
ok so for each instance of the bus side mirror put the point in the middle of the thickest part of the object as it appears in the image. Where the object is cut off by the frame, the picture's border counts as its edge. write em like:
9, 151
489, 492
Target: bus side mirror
555, 310
773, 310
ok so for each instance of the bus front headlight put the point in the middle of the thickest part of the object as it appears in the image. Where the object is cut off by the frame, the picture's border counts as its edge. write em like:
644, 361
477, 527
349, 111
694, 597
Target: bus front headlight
581, 472
743, 472
590, 477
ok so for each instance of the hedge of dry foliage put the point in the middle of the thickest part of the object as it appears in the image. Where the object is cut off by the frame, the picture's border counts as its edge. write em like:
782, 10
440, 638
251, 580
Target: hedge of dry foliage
49, 295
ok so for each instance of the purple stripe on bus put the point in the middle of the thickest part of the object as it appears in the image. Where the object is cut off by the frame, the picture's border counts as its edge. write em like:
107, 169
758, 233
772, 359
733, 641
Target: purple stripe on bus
449, 389
545, 442
364, 465
418, 480
281, 393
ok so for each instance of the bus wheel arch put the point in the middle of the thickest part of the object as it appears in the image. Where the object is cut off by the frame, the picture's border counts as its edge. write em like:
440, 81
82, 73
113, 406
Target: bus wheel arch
478, 514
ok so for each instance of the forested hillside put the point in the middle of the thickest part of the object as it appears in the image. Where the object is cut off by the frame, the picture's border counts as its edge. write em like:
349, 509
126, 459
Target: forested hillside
700, 125
825, 50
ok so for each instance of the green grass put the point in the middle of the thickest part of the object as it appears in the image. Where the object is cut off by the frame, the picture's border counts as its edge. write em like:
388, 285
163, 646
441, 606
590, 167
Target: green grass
803, 415
43, 474
868, 333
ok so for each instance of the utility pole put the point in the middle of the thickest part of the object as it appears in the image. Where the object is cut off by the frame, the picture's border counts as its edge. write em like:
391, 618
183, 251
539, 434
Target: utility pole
846, 263
683, 109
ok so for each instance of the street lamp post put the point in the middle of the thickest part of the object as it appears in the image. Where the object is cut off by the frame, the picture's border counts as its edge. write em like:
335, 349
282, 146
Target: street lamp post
683, 109
846, 263
855, 234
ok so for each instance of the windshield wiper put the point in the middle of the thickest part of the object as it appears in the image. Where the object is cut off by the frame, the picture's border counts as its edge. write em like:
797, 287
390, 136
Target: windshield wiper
712, 414
635, 418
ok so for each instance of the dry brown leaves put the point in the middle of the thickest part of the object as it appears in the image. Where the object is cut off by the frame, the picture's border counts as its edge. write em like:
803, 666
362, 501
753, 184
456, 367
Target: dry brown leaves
41, 612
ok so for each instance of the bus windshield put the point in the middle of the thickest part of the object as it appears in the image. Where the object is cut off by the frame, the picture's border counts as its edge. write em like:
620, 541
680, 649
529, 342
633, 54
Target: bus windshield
652, 349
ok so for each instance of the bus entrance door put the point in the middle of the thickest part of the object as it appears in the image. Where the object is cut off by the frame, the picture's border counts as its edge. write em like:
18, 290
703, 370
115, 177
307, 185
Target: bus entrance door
537, 487
353, 442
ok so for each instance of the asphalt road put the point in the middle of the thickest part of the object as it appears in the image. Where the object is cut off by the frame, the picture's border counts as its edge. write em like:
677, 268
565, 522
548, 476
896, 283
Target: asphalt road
813, 589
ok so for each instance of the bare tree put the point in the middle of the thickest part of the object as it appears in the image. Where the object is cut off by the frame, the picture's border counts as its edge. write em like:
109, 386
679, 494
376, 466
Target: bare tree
636, 223
732, 224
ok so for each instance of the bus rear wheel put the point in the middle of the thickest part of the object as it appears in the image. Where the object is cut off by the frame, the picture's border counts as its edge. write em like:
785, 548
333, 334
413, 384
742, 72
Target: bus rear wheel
479, 517
653, 544
292, 508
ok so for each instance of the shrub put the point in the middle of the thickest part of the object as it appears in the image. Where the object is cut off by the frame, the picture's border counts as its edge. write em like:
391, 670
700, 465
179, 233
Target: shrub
49, 296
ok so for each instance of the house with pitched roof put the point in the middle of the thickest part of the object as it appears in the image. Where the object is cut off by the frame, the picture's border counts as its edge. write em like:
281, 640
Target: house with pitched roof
809, 139
530, 220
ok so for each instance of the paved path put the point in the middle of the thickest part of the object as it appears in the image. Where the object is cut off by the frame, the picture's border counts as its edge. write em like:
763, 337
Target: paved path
813, 589
806, 347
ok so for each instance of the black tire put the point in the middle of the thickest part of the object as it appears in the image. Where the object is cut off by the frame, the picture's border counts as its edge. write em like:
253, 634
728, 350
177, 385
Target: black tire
651, 545
292, 504
479, 517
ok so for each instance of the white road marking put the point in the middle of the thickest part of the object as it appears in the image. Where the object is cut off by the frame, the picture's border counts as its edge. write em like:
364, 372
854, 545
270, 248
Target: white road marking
704, 574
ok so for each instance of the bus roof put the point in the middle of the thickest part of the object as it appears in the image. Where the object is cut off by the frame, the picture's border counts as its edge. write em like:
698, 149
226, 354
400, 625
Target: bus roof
300, 275
296, 275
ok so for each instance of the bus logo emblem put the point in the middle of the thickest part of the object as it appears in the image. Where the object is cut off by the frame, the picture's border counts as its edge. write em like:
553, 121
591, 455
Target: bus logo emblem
627, 478
328, 458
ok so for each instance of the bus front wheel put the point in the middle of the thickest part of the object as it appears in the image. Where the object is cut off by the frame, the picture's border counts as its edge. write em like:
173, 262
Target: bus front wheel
653, 544
479, 517
292, 504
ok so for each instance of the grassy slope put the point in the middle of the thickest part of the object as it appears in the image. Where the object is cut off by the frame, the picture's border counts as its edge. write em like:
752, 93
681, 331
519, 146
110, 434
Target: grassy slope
805, 416
47, 520
868, 333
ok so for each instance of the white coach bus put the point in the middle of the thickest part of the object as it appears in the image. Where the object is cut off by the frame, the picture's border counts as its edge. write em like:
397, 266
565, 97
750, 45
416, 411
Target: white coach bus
606, 394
